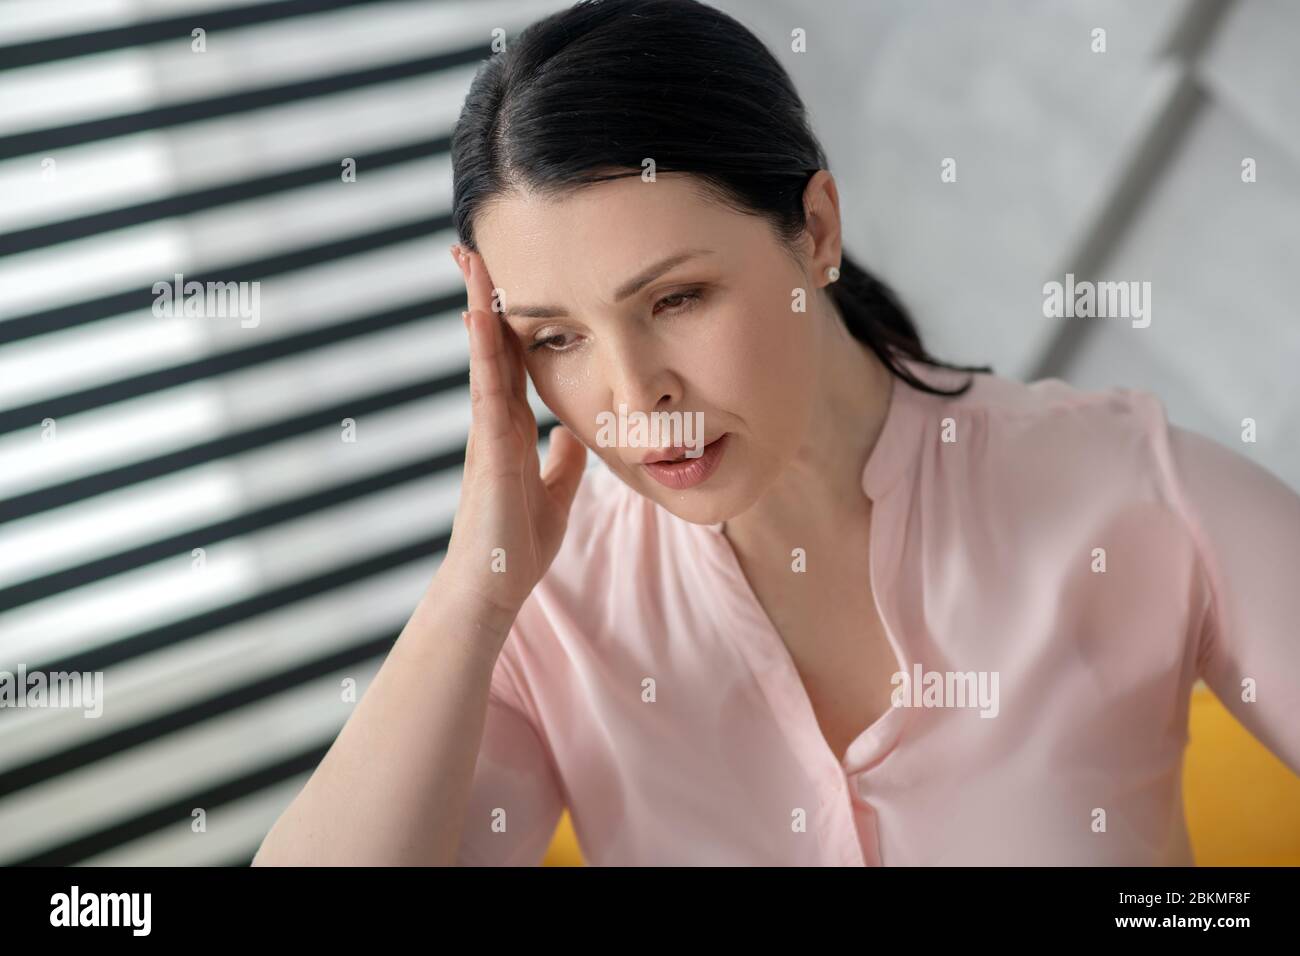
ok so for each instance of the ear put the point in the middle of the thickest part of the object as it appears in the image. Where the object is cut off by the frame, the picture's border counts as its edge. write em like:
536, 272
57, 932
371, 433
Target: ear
821, 203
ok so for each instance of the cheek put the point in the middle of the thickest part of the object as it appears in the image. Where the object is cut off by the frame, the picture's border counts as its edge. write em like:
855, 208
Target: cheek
567, 392
756, 360
558, 382
568, 379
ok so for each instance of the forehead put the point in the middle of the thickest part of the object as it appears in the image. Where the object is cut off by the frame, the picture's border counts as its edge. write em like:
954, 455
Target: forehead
596, 236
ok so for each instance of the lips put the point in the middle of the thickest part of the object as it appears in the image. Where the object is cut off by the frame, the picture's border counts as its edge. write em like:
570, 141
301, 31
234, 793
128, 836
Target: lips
688, 472
675, 453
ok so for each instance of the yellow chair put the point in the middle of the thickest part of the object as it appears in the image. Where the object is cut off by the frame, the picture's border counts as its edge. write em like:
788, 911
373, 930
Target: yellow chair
564, 845
1242, 803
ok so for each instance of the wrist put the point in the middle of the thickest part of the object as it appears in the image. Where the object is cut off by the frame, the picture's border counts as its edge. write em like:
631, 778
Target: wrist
468, 607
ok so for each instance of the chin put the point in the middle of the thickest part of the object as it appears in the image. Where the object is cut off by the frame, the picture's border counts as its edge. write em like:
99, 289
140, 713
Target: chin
726, 494
697, 507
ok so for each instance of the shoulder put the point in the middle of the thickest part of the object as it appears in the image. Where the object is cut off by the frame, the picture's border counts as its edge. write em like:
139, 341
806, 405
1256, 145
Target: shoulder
1054, 403
1047, 456
1104, 435
1042, 480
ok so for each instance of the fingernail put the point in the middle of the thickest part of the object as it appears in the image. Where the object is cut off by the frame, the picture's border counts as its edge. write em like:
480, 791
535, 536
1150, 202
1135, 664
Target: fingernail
464, 317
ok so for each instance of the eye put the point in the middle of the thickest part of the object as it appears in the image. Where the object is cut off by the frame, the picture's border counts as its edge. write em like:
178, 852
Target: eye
677, 303
546, 343
686, 300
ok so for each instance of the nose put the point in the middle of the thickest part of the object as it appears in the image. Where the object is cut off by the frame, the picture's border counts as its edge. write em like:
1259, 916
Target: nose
640, 379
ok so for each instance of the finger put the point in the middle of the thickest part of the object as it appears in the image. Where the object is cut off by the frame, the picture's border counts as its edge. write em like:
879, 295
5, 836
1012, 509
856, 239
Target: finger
488, 391
479, 284
566, 462
525, 420
462, 264
513, 368
454, 249
461, 255
518, 370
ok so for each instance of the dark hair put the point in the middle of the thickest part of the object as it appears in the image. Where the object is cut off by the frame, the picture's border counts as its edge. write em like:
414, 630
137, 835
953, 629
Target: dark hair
604, 84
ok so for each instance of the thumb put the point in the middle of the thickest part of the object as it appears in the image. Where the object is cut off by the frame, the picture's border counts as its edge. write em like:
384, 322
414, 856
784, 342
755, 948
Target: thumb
566, 461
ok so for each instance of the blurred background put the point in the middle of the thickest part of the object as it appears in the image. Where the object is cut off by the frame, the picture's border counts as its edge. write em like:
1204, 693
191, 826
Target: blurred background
231, 518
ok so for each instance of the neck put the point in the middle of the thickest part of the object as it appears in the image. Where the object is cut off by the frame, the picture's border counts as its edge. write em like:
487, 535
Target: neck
819, 493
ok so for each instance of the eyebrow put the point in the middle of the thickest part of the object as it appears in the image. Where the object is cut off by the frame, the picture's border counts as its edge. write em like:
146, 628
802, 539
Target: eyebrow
629, 288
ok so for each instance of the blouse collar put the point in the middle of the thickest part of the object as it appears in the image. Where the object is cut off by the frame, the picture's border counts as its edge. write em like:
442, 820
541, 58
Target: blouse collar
897, 448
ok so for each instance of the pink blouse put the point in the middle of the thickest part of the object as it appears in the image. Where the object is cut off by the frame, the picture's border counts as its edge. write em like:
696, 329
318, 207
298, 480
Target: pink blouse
644, 687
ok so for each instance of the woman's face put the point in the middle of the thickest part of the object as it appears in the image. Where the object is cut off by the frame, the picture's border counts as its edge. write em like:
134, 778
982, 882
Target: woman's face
716, 333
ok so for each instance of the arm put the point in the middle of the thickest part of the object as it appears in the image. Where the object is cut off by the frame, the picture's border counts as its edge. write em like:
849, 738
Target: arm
394, 786
1247, 523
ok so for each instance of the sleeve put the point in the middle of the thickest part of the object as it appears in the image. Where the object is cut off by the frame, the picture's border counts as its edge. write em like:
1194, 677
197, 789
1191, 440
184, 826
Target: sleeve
1246, 523
516, 799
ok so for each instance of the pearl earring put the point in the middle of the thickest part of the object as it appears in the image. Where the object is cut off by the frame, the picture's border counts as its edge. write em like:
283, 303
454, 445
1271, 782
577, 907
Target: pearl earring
833, 273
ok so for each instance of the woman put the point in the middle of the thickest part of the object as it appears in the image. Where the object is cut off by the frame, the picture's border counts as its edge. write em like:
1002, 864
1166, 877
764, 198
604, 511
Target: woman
879, 612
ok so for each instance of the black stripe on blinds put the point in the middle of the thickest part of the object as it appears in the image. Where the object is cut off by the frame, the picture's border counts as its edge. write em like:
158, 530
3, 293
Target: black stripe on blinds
176, 632
257, 519
231, 104
146, 731
201, 200
76, 489
234, 360
176, 811
53, 49
116, 303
